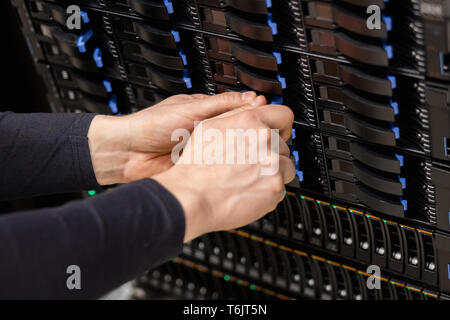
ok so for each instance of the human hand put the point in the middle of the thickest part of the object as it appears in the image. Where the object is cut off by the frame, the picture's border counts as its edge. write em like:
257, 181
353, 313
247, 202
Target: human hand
137, 146
224, 196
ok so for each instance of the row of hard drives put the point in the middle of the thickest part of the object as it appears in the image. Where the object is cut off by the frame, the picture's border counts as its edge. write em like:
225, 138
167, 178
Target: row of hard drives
371, 138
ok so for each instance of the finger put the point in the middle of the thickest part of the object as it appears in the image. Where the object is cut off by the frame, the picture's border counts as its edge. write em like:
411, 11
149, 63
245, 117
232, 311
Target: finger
199, 96
183, 98
257, 102
287, 169
284, 149
277, 117
220, 103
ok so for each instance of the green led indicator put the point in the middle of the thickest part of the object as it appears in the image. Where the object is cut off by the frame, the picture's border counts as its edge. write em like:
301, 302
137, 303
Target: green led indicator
384, 221
302, 197
419, 230
392, 282
252, 237
334, 207
227, 278
92, 192
351, 211
252, 287
425, 293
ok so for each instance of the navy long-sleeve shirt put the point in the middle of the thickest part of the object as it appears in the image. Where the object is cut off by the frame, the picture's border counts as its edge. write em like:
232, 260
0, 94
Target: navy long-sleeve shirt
112, 237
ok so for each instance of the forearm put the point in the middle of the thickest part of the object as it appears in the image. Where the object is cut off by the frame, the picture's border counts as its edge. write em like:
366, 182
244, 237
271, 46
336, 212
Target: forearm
112, 237
44, 153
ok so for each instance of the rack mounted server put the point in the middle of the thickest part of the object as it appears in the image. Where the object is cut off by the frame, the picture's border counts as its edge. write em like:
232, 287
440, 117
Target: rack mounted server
371, 138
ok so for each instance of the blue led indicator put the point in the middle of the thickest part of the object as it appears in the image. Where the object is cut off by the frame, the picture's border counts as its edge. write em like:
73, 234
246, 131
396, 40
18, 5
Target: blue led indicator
84, 16
169, 6
445, 146
269, 3
187, 79
396, 131
273, 26
389, 51
183, 56
282, 81
296, 158
107, 85
403, 182
277, 57
394, 106
83, 39
400, 159
277, 100
393, 81
98, 58
388, 21
176, 35
404, 204
449, 218
113, 104
300, 175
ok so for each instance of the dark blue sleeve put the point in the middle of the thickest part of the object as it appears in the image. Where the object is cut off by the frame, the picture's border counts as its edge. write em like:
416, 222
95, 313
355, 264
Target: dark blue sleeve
113, 238
43, 153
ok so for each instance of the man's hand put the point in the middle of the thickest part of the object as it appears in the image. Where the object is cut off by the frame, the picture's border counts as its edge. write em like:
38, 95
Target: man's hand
223, 196
139, 145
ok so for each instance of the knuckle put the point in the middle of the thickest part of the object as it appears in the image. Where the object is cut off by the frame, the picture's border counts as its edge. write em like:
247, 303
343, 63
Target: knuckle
288, 113
232, 98
276, 183
247, 117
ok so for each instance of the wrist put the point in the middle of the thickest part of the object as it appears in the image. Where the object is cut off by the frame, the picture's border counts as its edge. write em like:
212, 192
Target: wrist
197, 212
109, 147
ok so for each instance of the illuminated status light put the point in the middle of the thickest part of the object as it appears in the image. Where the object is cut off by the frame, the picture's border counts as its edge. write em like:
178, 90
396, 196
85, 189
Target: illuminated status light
302, 197
92, 192
227, 278
252, 287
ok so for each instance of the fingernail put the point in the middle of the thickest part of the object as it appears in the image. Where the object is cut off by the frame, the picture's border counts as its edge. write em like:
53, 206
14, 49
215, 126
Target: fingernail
248, 95
254, 103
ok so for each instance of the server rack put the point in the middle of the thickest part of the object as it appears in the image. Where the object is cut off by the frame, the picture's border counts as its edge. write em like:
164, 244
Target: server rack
371, 138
